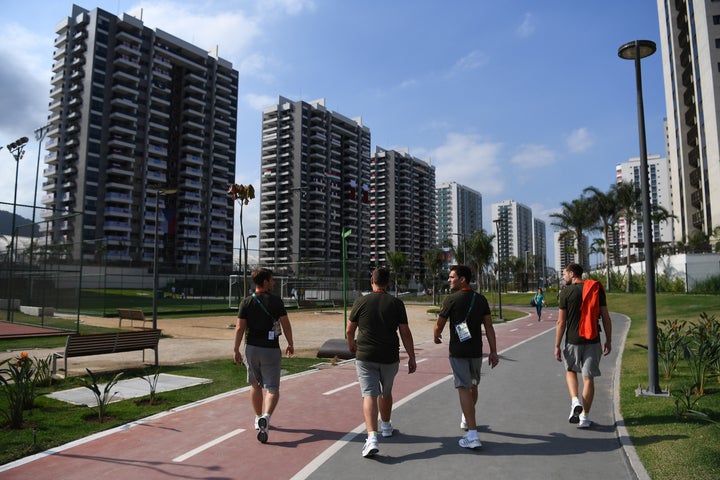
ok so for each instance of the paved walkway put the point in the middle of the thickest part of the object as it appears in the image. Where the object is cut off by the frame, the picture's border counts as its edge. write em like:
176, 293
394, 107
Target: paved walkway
317, 431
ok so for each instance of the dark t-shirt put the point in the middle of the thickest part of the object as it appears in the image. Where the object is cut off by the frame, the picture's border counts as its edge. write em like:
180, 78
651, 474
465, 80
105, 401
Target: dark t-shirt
378, 316
570, 300
455, 308
259, 323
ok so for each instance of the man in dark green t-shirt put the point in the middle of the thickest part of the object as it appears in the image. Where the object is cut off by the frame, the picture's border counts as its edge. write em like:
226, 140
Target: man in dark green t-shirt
378, 317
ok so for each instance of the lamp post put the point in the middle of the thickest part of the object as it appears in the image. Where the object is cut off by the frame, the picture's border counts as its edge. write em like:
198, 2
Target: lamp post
245, 266
345, 233
497, 223
39, 136
637, 50
158, 194
17, 150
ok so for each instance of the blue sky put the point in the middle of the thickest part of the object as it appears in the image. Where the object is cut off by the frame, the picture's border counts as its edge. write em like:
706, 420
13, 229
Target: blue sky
518, 99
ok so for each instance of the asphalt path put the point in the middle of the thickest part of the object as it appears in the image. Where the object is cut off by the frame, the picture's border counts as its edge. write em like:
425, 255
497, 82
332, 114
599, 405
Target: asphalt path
317, 431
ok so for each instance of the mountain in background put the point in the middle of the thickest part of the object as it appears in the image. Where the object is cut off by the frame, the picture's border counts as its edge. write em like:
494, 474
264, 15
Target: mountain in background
6, 225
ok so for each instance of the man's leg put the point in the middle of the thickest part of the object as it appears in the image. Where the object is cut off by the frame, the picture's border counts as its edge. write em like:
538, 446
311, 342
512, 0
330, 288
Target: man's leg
572, 383
467, 405
271, 400
370, 412
588, 393
256, 398
385, 403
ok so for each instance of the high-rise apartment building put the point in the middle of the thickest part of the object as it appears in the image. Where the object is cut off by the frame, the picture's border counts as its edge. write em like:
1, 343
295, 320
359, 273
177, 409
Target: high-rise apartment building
566, 251
315, 185
516, 226
402, 210
539, 261
139, 121
659, 183
690, 46
459, 213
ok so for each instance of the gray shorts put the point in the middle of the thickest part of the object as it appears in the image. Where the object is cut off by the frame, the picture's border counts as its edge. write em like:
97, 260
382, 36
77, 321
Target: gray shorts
583, 359
466, 371
376, 378
263, 366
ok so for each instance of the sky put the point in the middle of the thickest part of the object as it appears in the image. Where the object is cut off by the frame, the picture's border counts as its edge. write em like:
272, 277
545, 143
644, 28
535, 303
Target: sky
523, 100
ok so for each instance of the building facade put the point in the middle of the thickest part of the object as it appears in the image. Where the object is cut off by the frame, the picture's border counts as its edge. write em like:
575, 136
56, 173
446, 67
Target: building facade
539, 261
459, 213
141, 141
690, 48
402, 210
314, 191
515, 235
659, 188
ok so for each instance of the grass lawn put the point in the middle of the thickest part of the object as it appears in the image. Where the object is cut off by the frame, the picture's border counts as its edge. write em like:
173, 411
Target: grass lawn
669, 446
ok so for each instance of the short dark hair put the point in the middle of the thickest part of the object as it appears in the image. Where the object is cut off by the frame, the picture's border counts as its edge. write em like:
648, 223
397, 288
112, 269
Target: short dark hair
462, 271
261, 275
576, 269
381, 277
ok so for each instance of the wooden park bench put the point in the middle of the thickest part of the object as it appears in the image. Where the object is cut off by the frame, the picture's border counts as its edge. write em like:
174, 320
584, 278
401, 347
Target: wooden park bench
131, 314
104, 343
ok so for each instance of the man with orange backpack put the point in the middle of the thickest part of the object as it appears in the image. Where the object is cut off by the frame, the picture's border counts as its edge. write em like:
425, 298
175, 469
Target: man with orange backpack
580, 305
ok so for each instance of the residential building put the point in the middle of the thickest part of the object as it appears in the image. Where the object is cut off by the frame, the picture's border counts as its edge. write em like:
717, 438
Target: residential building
515, 233
139, 120
659, 189
566, 250
459, 213
539, 251
690, 52
402, 210
314, 191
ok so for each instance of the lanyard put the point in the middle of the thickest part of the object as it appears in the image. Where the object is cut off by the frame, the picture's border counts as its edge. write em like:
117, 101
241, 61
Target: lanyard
262, 305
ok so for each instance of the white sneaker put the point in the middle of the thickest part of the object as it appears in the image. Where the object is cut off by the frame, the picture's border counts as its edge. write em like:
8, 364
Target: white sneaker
386, 429
370, 448
575, 410
257, 427
463, 422
472, 443
584, 421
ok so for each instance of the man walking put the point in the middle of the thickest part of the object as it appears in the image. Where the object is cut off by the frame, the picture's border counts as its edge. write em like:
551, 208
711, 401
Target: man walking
378, 317
262, 319
467, 312
581, 355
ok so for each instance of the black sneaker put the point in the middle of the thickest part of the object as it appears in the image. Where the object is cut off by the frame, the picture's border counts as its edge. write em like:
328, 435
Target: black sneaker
262, 435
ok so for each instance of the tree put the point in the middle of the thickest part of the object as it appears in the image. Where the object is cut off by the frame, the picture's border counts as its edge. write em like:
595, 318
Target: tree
576, 217
396, 262
604, 208
627, 198
480, 252
434, 260
243, 194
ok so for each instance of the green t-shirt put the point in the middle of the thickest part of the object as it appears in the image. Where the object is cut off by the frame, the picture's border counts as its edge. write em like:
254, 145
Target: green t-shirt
455, 308
378, 316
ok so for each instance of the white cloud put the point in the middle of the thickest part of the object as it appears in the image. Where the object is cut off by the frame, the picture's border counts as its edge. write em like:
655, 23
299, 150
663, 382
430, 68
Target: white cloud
580, 140
260, 102
471, 61
470, 161
533, 156
527, 27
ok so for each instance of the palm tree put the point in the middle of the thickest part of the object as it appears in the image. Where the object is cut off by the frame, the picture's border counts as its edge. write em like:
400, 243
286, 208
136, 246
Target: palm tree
604, 207
480, 251
396, 262
627, 198
434, 261
576, 217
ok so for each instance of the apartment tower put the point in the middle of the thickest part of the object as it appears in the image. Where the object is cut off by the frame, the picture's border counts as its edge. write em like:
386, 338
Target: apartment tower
139, 121
459, 213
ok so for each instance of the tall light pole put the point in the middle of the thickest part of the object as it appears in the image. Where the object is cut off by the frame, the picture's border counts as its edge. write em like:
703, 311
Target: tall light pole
497, 223
345, 233
17, 150
245, 266
637, 50
158, 194
39, 136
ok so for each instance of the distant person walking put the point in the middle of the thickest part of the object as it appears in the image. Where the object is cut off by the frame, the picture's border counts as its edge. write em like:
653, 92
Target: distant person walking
377, 317
581, 355
262, 319
538, 301
467, 312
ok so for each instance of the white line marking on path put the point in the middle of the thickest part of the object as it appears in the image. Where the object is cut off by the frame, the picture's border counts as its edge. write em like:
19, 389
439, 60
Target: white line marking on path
330, 392
210, 444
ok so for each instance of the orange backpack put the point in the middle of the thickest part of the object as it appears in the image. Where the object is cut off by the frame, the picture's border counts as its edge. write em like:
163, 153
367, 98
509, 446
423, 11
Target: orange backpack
590, 309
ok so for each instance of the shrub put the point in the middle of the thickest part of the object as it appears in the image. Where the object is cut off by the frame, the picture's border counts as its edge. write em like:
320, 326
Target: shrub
18, 386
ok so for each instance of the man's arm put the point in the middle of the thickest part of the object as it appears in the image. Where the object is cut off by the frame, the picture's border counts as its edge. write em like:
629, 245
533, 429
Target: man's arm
407, 341
559, 332
239, 334
287, 330
607, 328
437, 331
493, 358
350, 335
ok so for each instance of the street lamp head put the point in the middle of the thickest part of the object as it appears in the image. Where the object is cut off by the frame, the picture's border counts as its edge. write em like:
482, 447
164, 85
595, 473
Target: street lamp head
251, 236
637, 49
